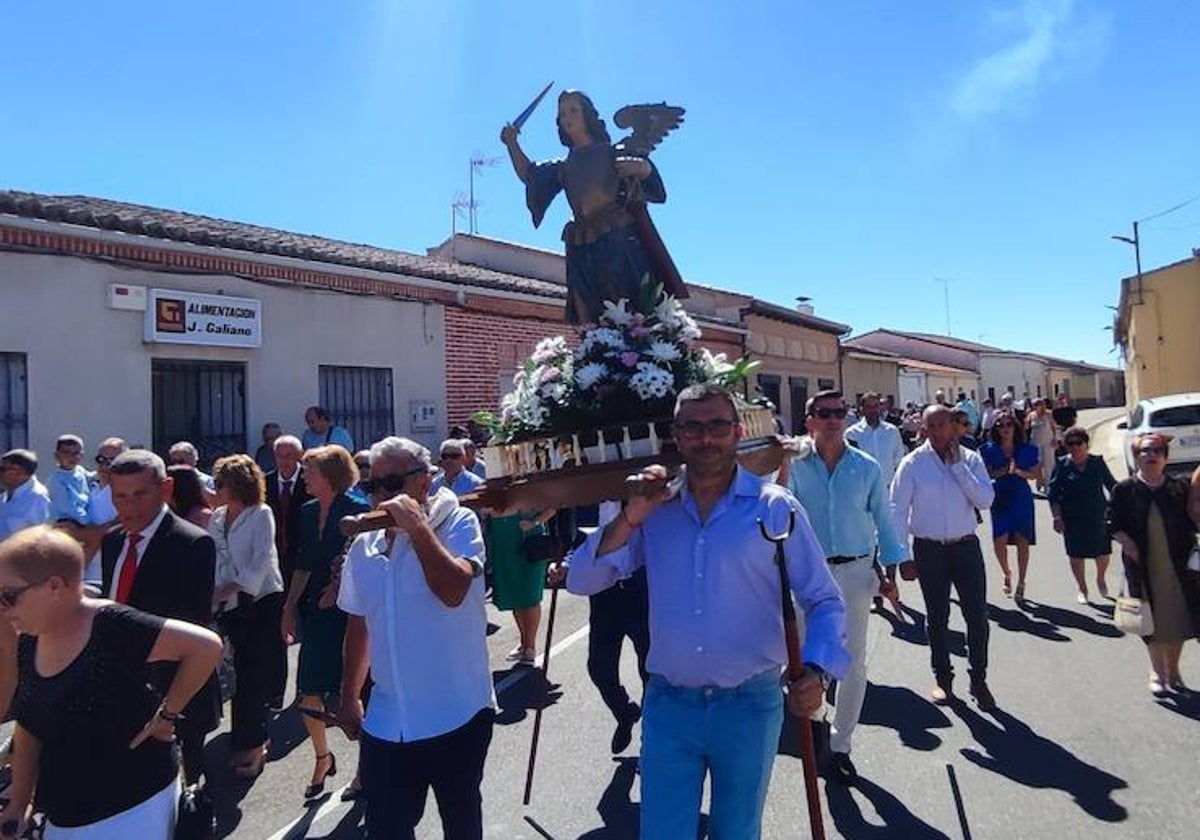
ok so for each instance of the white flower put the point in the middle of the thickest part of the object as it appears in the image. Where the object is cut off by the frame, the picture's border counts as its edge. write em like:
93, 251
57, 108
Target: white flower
663, 351
602, 337
651, 381
587, 376
713, 365
617, 313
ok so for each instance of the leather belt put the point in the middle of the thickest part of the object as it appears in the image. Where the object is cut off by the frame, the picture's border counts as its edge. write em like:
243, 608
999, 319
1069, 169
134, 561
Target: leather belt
839, 559
948, 541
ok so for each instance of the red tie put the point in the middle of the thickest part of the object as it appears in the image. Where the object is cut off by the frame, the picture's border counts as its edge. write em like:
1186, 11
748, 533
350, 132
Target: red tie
128, 570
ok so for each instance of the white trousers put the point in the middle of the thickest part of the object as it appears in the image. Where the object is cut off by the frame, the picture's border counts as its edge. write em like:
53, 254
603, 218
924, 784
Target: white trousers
859, 585
153, 819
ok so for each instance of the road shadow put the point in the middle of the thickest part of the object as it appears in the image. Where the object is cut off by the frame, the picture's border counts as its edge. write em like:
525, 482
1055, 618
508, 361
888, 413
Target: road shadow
1014, 750
911, 715
1071, 620
621, 815
526, 695
350, 826
898, 821
913, 629
1017, 621
1186, 704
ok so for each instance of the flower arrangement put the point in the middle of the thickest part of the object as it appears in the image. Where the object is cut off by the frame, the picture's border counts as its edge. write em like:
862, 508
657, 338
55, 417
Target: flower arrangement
629, 367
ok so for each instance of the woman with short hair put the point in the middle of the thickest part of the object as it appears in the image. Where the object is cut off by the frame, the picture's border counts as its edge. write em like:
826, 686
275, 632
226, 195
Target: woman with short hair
1078, 503
248, 597
1148, 516
329, 474
93, 740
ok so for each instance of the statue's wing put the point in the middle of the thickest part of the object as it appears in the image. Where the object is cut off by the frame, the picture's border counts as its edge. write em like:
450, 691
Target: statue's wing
649, 123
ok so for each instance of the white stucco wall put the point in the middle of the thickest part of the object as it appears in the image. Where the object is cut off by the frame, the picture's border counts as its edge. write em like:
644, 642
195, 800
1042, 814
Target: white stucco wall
89, 370
1023, 373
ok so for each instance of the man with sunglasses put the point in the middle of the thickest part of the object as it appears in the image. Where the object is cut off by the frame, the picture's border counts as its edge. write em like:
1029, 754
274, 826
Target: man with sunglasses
713, 703
842, 490
454, 474
937, 489
414, 594
25, 500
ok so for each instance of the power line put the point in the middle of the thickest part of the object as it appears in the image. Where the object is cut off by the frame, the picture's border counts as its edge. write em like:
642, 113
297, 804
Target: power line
1162, 213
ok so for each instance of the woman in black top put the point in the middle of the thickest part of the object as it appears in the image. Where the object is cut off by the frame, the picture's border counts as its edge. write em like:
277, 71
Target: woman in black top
92, 740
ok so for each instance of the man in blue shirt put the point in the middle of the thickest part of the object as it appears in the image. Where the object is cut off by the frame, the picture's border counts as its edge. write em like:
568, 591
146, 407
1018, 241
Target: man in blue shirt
25, 501
322, 431
713, 703
842, 490
453, 474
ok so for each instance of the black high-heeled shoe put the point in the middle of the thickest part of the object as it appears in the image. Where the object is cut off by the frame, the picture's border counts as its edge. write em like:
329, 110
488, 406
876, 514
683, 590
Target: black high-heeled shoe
313, 791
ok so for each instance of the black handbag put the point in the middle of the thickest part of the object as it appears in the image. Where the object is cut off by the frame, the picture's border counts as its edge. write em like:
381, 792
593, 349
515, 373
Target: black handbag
538, 548
196, 820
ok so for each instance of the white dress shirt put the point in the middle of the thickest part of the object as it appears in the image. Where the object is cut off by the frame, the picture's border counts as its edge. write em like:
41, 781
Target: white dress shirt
934, 500
429, 661
882, 442
246, 554
147, 534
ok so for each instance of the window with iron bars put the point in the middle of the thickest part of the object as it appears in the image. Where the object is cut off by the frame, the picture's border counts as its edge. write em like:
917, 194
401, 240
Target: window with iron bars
360, 399
14, 408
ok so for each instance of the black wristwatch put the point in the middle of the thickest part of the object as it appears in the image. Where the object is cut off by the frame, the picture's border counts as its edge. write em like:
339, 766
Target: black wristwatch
821, 675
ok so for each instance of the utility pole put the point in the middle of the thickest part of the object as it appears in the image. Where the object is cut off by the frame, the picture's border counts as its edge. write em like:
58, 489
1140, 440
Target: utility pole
1136, 242
945, 281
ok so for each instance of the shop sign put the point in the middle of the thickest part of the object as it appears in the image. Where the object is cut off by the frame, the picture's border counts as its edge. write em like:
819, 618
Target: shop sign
174, 317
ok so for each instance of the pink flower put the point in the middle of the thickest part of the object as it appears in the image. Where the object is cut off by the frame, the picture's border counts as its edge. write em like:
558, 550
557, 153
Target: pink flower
640, 332
549, 375
629, 359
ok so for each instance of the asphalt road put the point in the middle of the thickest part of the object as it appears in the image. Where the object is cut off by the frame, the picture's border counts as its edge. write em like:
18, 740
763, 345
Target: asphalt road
1078, 748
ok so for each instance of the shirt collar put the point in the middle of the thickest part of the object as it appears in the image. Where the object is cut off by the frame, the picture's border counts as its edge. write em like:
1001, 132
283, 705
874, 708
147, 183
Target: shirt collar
24, 490
151, 529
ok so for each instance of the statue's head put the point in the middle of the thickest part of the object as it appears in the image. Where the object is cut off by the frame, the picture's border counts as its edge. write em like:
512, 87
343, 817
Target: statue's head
591, 118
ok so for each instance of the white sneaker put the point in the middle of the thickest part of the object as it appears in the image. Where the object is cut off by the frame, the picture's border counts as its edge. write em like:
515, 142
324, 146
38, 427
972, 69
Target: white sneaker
1156, 687
1081, 598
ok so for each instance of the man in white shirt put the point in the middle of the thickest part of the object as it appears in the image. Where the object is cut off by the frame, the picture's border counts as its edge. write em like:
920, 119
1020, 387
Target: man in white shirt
936, 491
877, 437
415, 597
183, 452
25, 501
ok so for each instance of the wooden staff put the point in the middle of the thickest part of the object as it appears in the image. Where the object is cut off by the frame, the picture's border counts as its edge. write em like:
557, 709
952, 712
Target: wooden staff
795, 667
537, 715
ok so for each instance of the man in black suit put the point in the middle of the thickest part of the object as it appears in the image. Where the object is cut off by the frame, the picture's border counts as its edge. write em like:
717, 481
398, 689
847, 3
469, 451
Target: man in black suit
161, 564
286, 494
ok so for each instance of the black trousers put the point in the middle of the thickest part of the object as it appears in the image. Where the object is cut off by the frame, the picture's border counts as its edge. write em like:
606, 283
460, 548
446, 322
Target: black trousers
618, 613
396, 779
254, 630
961, 565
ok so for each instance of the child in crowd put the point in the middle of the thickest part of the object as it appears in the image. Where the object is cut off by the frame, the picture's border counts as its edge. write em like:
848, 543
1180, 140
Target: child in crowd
68, 482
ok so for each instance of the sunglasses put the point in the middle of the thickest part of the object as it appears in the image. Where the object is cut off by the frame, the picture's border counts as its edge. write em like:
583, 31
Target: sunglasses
1006, 425
694, 430
1071, 444
103, 460
9, 597
1152, 451
826, 413
389, 483
450, 456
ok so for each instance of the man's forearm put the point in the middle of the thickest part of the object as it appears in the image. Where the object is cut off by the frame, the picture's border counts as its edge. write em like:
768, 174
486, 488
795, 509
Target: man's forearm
448, 577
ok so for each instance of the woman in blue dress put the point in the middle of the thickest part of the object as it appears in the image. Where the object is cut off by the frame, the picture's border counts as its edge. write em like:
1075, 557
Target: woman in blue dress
1012, 463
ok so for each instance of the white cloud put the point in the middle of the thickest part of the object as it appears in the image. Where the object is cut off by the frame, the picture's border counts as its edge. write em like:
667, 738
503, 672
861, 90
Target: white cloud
1053, 39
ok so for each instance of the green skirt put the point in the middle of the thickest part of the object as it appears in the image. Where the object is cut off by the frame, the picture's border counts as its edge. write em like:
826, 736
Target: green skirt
517, 583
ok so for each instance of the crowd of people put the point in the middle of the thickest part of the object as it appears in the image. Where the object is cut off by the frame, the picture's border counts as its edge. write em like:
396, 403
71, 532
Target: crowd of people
116, 582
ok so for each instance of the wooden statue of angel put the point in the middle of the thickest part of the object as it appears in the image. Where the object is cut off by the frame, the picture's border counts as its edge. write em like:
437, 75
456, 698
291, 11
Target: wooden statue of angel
612, 246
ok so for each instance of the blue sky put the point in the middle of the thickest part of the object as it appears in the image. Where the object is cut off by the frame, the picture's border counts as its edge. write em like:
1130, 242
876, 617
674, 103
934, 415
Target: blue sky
851, 152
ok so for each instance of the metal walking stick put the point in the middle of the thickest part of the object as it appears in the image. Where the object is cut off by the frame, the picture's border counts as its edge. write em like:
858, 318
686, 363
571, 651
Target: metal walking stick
795, 667
537, 715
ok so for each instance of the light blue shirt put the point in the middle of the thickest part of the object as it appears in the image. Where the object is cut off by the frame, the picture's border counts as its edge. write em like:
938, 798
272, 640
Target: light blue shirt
101, 509
848, 508
715, 612
336, 435
28, 505
463, 483
69, 494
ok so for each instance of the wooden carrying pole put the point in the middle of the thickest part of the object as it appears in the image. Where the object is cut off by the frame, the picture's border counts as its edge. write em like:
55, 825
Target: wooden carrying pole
795, 667
537, 715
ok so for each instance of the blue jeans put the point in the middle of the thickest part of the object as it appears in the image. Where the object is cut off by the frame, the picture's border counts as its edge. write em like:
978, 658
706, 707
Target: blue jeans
731, 733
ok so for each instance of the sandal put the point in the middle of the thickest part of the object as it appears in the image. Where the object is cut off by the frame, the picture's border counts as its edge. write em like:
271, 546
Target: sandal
316, 789
1020, 593
1007, 583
